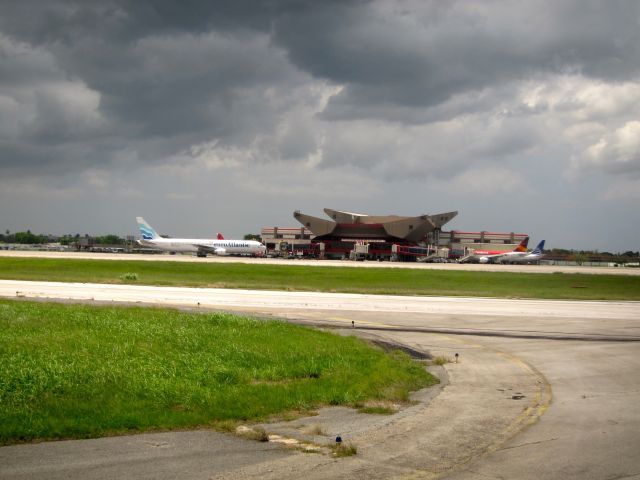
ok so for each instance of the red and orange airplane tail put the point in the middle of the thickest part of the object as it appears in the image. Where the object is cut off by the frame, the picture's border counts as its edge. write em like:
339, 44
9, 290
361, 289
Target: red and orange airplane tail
522, 246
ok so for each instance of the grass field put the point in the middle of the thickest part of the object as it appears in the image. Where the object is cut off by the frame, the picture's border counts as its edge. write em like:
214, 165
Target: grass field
327, 279
77, 371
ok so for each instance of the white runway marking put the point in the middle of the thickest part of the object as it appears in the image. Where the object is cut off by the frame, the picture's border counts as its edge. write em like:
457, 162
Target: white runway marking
211, 297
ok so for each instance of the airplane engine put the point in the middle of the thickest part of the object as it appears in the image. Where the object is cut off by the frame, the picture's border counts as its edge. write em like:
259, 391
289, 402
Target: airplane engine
483, 260
221, 251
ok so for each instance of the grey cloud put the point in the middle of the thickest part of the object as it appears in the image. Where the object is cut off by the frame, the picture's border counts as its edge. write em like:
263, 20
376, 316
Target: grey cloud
181, 84
172, 84
19, 159
440, 150
297, 140
172, 75
122, 21
21, 65
616, 153
380, 105
425, 56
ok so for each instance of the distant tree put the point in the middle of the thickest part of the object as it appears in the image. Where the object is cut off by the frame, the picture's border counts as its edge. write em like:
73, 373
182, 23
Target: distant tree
252, 236
110, 239
28, 238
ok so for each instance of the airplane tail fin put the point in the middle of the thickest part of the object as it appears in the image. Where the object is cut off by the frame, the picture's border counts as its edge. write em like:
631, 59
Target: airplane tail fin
146, 231
522, 246
220, 237
539, 248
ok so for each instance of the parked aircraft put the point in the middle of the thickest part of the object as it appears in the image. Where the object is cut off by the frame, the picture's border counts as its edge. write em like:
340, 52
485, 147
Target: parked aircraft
489, 256
532, 256
200, 246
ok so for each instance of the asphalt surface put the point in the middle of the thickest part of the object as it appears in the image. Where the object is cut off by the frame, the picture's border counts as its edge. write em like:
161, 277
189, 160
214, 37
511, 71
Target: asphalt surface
542, 389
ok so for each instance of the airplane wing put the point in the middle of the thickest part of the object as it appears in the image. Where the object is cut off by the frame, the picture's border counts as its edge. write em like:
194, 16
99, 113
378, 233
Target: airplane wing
203, 248
478, 256
494, 257
511, 254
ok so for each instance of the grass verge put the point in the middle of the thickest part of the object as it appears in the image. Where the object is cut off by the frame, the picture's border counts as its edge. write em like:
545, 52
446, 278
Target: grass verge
326, 279
78, 371
344, 449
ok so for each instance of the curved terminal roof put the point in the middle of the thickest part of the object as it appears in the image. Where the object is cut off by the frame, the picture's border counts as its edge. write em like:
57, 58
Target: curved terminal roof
363, 226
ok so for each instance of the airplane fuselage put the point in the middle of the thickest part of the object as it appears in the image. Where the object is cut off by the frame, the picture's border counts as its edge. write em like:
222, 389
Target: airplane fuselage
531, 257
495, 257
199, 245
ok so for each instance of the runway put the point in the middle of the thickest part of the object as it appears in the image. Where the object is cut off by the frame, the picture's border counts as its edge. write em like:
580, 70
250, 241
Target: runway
608, 319
548, 269
574, 365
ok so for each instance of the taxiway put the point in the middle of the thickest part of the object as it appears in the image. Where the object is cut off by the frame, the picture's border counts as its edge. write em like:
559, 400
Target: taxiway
543, 390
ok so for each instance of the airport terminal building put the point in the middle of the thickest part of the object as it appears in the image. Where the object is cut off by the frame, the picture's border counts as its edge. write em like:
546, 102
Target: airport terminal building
380, 237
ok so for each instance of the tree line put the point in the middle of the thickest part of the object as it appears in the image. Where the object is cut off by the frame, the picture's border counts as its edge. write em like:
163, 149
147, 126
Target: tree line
28, 238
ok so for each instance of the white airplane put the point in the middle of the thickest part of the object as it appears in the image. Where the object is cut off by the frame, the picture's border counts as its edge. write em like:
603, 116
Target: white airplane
532, 256
490, 256
200, 246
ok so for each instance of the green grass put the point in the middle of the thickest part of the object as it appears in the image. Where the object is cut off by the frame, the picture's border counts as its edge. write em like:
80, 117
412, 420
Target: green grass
441, 360
326, 279
78, 371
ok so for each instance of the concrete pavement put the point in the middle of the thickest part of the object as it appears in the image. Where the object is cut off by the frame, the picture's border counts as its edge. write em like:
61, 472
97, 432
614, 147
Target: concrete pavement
282, 300
591, 430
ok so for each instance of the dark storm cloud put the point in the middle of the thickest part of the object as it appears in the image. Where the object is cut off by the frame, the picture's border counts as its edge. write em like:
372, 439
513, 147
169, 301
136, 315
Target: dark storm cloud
161, 70
123, 21
158, 77
171, 85
432, 51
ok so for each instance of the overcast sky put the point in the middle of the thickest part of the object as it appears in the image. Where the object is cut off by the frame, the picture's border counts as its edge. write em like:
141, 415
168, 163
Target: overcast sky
207, 116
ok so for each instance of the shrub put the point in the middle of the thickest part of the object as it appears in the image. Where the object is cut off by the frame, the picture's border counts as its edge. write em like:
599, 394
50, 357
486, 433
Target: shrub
344, 449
